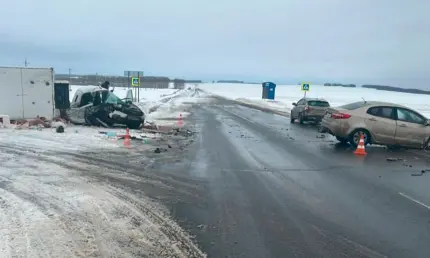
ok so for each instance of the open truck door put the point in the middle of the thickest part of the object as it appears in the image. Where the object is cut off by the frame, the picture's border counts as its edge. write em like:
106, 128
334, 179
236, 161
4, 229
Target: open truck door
61, 98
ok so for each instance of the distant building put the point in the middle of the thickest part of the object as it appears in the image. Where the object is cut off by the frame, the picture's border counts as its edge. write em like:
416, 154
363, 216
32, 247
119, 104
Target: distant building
193, 81
179, 83
155, 82
229, 81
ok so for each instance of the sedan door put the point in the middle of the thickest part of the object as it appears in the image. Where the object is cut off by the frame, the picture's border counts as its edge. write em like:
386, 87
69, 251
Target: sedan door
412, 130
381, 124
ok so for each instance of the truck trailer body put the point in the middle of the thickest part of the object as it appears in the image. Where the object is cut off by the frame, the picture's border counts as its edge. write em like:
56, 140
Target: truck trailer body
27, 92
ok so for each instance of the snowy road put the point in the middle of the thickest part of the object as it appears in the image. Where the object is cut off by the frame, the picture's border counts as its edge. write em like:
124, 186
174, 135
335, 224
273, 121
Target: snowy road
248, 184
80, 195
268, 188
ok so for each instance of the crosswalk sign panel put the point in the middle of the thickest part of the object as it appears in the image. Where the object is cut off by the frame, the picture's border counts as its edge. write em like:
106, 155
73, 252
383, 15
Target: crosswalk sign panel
306, 87
135, 82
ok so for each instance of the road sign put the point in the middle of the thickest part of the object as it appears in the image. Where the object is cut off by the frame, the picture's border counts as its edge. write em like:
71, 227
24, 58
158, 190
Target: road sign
133, 74
306, 87
135, 81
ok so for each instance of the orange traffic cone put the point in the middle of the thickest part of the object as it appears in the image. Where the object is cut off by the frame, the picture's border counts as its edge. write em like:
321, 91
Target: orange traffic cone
360, 147
127, 140
180, 121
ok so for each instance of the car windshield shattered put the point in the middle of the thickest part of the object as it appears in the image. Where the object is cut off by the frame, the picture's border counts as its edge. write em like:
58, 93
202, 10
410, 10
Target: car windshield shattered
111, 98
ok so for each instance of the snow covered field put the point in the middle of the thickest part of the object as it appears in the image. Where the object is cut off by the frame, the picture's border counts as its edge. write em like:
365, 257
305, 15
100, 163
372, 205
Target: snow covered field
63, 195
287, 94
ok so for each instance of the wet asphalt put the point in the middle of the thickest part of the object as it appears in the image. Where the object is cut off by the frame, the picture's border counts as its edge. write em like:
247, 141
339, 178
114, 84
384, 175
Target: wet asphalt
258, 186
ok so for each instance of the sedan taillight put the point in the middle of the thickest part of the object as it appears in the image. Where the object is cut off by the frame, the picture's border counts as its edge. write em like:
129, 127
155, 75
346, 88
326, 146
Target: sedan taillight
340, 116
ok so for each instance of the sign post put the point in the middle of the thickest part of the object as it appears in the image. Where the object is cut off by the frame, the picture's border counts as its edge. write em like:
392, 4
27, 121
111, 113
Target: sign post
306, 87
133, 80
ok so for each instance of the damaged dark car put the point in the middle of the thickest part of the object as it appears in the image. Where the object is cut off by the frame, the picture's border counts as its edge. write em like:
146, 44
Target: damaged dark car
100, 107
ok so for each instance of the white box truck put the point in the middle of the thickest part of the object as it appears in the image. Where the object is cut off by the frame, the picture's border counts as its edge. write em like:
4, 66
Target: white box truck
30, 92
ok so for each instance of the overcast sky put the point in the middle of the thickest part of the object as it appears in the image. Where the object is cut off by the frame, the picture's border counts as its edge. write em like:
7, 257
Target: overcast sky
361, 41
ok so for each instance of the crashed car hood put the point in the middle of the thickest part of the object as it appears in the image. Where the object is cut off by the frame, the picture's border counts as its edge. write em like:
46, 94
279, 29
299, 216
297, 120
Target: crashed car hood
109, 114
131, 110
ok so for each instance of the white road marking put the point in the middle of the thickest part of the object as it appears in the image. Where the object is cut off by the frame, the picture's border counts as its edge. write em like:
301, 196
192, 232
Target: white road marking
415, 201
244, 118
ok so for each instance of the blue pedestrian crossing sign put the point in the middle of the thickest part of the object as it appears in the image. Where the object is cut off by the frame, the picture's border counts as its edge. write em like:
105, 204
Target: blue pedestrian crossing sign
306, 87
135, 81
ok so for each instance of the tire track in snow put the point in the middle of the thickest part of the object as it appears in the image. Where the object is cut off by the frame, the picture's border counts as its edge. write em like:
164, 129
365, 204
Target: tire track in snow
57, 210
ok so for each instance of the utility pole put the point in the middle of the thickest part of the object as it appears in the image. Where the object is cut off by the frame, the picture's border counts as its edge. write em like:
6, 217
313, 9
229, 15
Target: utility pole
70, 75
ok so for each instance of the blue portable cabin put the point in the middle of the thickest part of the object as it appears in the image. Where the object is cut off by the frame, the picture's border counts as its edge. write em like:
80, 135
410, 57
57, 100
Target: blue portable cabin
268, 90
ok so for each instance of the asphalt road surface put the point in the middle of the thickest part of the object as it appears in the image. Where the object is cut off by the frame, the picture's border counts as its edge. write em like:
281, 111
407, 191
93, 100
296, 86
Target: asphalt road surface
266, 188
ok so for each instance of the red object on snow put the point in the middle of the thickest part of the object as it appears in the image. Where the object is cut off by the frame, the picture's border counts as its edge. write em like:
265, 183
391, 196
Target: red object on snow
180, 120
127, 139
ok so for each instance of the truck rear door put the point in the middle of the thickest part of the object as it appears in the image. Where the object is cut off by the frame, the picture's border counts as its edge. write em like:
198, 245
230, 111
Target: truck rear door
38, 89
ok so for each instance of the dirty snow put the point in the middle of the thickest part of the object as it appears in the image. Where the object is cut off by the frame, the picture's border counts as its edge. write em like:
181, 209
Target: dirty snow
56, 200
285, 95
170, 111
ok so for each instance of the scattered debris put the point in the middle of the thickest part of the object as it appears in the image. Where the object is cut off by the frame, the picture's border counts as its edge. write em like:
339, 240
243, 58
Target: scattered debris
150, 126
60, 129
321, 136
394, 159
159, 150
417, 174
422, 172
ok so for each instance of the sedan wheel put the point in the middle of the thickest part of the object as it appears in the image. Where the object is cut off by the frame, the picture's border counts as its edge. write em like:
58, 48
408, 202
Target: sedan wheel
354, 138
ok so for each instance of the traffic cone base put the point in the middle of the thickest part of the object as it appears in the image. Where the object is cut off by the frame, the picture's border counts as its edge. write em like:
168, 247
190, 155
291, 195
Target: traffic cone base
360, 147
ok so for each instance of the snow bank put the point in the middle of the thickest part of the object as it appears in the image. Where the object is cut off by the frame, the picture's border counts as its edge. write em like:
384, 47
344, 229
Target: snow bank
169, 110
287, 94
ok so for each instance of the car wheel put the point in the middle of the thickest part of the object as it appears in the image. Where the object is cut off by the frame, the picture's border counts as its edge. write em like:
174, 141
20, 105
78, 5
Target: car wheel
300, 119
134, 124
341, 139
292, 118
354, 137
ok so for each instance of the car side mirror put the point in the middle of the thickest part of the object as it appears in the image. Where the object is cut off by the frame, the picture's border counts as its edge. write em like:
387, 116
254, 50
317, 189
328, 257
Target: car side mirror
294, 104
